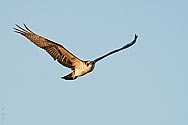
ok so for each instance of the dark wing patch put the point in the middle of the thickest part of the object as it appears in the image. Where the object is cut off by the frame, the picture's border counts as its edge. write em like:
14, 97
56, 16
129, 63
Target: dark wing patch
117, 50
58, 52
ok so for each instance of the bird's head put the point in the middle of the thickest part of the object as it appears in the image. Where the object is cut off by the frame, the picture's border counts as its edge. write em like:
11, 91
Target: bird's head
90, 65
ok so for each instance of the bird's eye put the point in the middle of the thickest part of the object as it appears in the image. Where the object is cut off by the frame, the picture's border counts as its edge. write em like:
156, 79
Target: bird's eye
87, 64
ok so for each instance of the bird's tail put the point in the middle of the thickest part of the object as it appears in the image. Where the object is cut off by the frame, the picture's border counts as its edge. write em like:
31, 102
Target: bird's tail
70, 76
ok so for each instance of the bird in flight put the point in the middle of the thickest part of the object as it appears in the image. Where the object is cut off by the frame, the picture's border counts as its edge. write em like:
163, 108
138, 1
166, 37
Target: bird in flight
63, 56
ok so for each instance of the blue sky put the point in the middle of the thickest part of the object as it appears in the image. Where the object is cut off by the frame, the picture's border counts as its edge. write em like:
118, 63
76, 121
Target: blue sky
143, 85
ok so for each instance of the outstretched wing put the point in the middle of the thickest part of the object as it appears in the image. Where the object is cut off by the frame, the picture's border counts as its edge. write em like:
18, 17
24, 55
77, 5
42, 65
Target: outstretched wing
117, 50
57, 51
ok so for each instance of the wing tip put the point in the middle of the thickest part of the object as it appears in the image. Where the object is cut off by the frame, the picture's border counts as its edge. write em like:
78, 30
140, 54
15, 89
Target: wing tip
21, 30
133, 42
135, 37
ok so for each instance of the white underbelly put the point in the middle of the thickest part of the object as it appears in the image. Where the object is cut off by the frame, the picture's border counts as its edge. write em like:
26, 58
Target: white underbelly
80, 72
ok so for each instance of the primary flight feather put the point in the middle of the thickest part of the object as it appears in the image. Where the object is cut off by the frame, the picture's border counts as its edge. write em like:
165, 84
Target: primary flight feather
63, 56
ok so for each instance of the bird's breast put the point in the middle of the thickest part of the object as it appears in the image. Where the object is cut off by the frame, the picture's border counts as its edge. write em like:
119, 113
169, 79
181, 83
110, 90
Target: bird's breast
82, 70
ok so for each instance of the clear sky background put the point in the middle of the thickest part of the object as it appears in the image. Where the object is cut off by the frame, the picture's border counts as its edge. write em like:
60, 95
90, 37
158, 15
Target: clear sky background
146, 84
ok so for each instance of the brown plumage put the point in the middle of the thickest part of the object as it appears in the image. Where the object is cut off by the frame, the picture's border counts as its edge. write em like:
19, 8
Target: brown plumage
62, 55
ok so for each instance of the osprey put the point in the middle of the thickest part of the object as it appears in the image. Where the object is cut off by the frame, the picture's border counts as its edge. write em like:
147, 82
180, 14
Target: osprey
63, 56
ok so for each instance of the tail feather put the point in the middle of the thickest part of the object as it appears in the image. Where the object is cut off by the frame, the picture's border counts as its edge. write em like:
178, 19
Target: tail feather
70, 76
